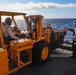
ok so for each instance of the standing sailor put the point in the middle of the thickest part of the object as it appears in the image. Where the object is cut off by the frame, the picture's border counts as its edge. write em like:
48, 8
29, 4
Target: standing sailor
74, 40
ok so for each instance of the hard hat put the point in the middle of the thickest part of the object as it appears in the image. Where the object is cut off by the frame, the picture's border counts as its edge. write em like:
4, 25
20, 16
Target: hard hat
7, 20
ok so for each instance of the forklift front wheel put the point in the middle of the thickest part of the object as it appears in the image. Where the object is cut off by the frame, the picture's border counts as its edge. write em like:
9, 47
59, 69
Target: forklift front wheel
41, 52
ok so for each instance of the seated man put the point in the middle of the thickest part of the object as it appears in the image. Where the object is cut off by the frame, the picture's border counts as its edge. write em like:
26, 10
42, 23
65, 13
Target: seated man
7, 31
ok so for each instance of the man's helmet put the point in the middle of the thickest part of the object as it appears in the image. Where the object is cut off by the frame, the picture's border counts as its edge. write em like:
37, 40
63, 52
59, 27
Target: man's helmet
8, 20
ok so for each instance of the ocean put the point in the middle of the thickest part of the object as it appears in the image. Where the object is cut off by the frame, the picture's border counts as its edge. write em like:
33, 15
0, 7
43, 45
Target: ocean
59, 24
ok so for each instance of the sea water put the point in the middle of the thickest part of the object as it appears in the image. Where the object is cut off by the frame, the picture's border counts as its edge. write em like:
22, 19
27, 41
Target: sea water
59, 24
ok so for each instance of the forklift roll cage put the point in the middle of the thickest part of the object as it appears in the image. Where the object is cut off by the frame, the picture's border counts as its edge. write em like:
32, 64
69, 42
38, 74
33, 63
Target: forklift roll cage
13, 14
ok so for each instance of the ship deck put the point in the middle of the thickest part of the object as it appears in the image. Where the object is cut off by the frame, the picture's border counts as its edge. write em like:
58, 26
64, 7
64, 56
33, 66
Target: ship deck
59, 63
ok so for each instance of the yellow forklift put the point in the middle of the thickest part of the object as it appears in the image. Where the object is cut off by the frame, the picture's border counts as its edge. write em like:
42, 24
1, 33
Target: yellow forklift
35, 47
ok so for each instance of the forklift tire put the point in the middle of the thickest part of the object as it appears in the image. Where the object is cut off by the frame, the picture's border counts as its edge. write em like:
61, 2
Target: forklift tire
41, 52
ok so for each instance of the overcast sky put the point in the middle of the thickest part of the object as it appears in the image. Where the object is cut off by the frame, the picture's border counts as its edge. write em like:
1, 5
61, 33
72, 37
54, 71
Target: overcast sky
47, 8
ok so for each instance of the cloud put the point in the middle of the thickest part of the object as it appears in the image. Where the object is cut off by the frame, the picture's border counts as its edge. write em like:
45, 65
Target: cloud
34, 6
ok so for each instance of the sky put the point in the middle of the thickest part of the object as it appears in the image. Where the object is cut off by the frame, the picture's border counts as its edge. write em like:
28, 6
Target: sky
46, 8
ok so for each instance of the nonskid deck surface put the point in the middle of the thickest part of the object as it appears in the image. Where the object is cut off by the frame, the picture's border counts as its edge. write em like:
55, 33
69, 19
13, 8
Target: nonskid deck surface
59, 63
64, 50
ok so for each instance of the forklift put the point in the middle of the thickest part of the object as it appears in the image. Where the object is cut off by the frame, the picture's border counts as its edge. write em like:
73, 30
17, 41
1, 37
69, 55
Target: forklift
33, 48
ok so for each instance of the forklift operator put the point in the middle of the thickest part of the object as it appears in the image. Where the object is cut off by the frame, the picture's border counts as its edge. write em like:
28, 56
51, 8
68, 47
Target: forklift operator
8, 33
